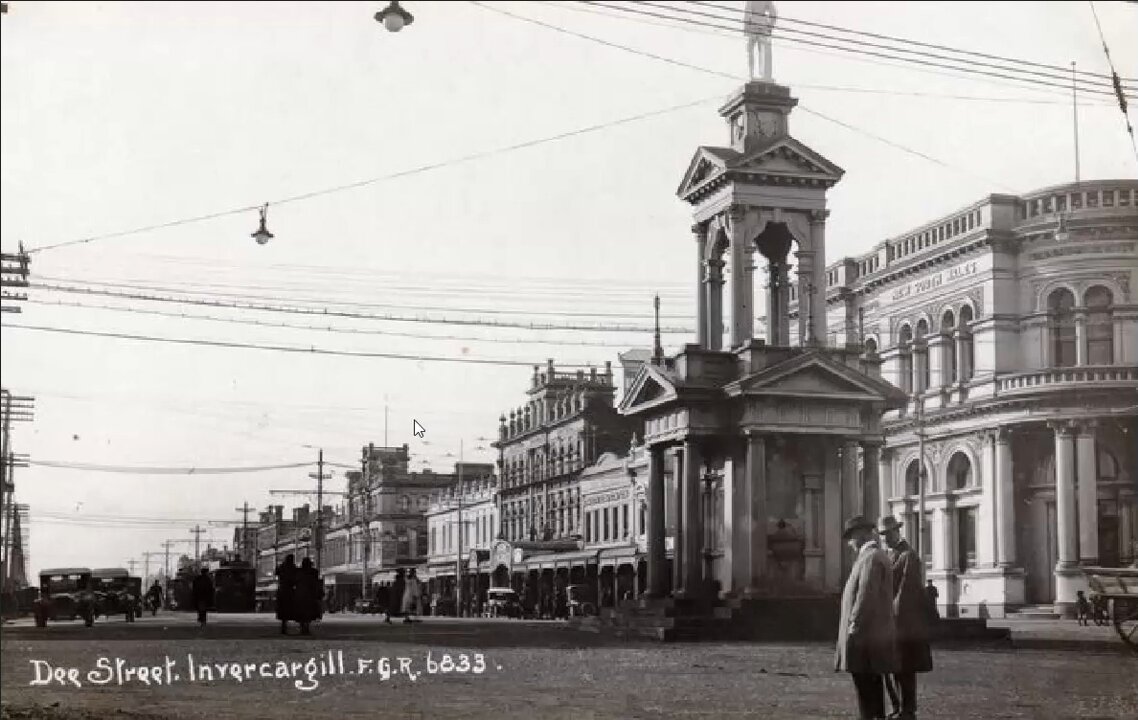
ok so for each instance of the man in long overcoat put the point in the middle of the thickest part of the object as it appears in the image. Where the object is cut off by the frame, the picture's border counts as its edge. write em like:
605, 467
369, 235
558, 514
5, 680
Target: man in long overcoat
865, 631
286, 592
910, 616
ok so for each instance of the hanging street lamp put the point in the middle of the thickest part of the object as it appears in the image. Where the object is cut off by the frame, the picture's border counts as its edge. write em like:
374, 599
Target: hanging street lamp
393, 17
262, 235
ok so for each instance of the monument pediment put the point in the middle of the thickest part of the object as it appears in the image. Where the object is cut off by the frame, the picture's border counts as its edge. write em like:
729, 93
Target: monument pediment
815, 375
651, 388
787, 156
781, 159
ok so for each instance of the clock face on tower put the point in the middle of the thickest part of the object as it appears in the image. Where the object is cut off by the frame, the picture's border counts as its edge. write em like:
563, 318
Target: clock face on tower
764, 124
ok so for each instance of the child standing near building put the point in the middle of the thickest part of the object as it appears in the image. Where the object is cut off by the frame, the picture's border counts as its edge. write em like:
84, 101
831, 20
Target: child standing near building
1082, 608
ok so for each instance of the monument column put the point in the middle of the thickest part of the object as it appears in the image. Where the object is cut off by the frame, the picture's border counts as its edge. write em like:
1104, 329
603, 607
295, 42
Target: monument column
873, 500
885, 480
1085, 453
678, 532
714, 289
756, 525
818, 259
702, 283
832, 517
692, 571
1005, 501
742, 289
657, 562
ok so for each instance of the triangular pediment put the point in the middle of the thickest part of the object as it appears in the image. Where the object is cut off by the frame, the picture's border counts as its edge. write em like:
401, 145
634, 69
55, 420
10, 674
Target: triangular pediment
650, 388
815, 375
789, 157
705, 164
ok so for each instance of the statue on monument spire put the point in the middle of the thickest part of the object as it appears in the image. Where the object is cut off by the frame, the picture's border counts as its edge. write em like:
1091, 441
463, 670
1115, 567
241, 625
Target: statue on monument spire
759, 18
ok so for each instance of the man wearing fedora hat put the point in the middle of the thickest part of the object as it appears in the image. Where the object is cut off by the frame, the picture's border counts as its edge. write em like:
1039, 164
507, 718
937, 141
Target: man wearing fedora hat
866, 642
909, 613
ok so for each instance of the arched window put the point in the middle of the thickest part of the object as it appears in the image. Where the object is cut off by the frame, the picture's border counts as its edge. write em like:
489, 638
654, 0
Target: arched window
1100, 326
905, 360
924, 378
1061, 311
959, 472
871, 348
948, 349
967, 351
913, 479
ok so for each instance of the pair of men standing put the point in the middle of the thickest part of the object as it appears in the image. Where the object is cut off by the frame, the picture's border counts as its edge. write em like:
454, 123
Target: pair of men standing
883, 638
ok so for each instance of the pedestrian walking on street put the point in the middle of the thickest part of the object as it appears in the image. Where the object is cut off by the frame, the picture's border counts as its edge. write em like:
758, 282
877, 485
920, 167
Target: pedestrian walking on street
383, 601
931, 595
202, 592
309, 590
1082, 608
286, 591
910, 617
866, 636
411, 596
397, 591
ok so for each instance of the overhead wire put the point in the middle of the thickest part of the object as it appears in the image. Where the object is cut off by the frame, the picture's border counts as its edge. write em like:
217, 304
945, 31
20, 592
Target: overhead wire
1043, 70
124, 469
691, 66
329, 312
572, 6
382, 178
284, 348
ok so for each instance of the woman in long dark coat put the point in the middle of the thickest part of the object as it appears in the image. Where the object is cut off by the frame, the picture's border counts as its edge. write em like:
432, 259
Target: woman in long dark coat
309, 591
286, 592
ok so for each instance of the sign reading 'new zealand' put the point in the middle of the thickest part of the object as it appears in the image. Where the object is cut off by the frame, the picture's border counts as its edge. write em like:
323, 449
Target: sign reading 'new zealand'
932, 282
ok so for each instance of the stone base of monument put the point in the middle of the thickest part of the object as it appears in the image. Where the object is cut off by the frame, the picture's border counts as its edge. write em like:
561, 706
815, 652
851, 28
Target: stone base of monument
757, 619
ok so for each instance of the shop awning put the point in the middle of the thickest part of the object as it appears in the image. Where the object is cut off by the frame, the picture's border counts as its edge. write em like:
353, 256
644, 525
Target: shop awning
343, 578
619, 555
267, 588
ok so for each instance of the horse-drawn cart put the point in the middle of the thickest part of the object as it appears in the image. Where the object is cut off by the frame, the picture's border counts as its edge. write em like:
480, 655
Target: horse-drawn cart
1119, 586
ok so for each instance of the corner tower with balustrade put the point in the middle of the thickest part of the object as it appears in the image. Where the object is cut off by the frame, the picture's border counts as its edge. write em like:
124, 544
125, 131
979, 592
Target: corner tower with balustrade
1012, 325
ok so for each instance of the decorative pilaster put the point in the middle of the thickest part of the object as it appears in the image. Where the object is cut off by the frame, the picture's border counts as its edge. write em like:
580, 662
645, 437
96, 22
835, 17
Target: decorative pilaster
852, 496
1068, 579
742, 288
985, 525
1086, 462
832, 518
700, 232
1080, 336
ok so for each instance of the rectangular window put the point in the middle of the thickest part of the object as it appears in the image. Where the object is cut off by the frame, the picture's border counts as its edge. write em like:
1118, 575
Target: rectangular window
606, 535
966, 537
589, 527
624, 520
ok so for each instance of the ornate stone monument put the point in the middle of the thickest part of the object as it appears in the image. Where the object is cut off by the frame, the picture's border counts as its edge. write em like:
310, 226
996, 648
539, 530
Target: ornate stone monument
775, 439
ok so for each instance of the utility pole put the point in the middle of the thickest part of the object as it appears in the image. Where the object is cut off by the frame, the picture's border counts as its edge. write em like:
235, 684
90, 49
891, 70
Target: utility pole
245, 510
147, 556
197, 531
132, 564
458, 565
320, 477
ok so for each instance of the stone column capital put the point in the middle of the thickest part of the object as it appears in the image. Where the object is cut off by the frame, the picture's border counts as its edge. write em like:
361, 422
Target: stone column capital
1086, 427
818, 217
699, 230
1063, 428
736, 213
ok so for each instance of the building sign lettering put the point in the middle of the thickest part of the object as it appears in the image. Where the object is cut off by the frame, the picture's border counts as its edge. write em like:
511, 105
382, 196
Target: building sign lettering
932, 282
608, 497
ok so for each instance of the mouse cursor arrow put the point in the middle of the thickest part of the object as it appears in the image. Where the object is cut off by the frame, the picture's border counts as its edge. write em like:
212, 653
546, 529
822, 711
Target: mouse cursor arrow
417, 430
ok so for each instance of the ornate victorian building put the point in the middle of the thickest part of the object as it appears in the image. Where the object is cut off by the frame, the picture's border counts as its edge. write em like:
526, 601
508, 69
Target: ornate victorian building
568, 422
1011, 325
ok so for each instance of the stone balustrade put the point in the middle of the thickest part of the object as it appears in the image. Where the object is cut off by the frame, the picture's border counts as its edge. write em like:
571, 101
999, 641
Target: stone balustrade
1064, 377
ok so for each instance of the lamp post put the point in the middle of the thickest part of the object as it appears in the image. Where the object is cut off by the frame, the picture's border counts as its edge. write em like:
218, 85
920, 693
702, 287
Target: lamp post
458, 565
393, 17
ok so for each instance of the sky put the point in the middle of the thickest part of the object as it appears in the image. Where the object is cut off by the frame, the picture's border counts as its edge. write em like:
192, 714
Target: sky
118, 116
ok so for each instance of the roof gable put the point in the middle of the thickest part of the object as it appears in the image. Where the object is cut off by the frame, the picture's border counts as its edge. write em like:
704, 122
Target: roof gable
651, 388
816, 375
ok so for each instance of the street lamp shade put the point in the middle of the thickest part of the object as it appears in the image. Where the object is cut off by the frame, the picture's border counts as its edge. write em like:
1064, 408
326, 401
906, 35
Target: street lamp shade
262, 235
393, 17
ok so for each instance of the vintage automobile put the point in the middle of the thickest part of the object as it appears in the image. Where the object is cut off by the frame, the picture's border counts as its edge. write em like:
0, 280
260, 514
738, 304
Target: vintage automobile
65, 593
113, 593
580, 603
503, 602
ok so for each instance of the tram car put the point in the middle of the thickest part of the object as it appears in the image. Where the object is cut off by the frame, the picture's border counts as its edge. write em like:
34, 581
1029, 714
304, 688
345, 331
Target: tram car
182, 589
235, 587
